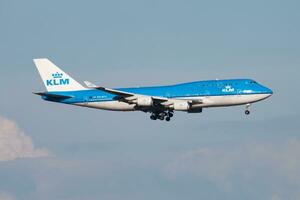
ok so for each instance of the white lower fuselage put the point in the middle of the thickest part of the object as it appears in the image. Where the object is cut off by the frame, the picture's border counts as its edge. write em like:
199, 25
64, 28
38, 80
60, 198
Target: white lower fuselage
206, 101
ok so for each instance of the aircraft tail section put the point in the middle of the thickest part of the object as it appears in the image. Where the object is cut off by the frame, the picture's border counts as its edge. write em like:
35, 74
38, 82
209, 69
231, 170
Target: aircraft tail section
54, 78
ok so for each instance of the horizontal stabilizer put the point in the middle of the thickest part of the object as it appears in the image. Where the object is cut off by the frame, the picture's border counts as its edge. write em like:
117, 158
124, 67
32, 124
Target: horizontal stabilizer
53, 96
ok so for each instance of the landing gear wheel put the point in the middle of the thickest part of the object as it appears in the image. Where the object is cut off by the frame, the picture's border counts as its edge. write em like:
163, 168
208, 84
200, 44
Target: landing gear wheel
247, 112
153, 117
161, 117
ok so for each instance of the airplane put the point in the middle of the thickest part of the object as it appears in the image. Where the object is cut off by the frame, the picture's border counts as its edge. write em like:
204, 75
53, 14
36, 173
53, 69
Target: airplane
159, 101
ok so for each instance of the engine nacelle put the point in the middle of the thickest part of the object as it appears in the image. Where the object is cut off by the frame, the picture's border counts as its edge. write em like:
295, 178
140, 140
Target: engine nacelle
195, 110
144, 101
181, 106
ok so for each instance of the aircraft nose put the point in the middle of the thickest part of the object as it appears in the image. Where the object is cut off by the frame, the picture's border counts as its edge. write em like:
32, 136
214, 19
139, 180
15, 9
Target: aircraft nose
268, 91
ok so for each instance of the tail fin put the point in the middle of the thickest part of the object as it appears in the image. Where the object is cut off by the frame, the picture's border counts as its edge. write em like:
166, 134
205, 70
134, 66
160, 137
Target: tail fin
54, 78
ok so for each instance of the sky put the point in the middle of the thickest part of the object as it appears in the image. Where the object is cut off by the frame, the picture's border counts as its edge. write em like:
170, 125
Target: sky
52, 151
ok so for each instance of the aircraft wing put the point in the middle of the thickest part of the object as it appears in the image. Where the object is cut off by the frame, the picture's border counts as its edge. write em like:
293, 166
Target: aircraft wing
115, 92
127, 96
146, 101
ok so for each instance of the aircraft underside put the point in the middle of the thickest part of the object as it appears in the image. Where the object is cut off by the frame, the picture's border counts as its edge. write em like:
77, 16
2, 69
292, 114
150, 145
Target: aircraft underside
164, 112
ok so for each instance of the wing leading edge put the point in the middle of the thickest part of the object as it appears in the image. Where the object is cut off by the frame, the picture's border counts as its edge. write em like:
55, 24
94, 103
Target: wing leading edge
124, 95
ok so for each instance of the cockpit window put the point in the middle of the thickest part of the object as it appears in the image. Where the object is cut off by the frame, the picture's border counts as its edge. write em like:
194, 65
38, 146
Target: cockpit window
253, 82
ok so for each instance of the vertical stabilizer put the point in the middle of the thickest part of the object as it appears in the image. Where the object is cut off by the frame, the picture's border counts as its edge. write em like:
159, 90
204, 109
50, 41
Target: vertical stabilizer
54, 78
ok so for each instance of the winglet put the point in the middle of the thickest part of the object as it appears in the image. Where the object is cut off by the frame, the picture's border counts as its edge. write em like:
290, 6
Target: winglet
89, 84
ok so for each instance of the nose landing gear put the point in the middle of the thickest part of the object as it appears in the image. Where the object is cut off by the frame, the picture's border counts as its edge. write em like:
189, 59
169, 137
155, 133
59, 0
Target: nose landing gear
247, 111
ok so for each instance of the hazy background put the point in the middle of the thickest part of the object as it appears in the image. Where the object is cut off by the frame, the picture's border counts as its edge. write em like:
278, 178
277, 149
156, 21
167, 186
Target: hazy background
51, 151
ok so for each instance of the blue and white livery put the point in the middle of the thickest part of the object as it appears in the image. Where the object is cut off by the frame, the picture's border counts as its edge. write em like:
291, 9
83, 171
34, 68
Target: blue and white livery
160, 101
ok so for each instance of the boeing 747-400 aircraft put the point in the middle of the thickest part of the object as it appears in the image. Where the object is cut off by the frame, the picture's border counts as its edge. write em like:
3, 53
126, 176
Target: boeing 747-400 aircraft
160, 101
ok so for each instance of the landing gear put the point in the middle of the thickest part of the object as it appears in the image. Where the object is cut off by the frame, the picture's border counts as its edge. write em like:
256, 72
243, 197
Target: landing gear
169, 115
153, 117
162, 115
247, 111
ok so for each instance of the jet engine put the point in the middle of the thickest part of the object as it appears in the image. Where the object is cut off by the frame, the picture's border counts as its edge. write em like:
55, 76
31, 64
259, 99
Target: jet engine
144, 101
181, 106
195, 110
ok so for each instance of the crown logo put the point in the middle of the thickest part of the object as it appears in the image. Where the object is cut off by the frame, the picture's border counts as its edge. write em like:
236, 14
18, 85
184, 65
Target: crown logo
57, 75
228, 88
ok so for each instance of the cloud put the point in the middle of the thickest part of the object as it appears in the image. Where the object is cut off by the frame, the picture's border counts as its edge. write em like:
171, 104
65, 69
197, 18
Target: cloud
5, 196
274, 166
15, 144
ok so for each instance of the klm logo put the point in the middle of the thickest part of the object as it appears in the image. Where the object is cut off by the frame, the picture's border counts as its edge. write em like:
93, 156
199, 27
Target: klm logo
57, 79
228, 88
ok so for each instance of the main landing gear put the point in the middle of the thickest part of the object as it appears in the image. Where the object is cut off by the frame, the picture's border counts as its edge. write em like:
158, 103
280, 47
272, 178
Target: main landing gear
162, 115
247, 111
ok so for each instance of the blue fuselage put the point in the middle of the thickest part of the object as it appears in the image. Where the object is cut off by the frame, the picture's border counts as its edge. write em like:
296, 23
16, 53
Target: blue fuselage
184, 90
